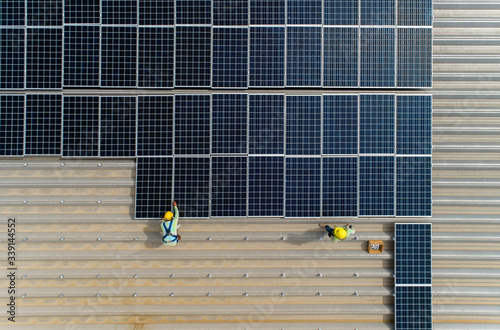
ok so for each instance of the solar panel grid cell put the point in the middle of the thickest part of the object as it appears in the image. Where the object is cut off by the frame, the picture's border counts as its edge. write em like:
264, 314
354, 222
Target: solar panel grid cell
79, 12
303, 56
192, 186
43, 124
413, 254
230, 13
340, 124
156, 12
12, 125
376, 186
44, 12
195, 12
229, 187
303, 125
230, 58
44, 58
377, 127
192, 124
156, 57
303, 187
266, 124
12, 13
81, 56
193, 56
413, 186
118, 126
414, 125
229, 124
341, 12
80, 126
265, 186
340, 57
155, 125
267, 12
414, 57
378, 12
119, 12
377, 57
340, 187
304, 11
267, 57
12, 55
119, 56
413, 308
414, 12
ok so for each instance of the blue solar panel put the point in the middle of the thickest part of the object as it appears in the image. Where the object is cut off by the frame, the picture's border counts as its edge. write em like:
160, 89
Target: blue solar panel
377, 57
414, 125
153, 193
378, 12
192, 124
119, 12
303, 56
118, 126
154, 125
414, 186
230, 58
413, 254
340, 57
303, 187
80, 126
340, 186
413, 308
227, 13
81, 56
11, 125
414, 57
267, 57
303, 125
267, 12
376, 131
192, 56
119, 56
194, 12
192, 186
304, 11
265, 186
43, 124
156, 57
80, 12
12, 58
415, 12
44, 12
44, 58
229, 186
267, 121
340, 124
376, 186
229, 124
12, 13
341, 12
156, 12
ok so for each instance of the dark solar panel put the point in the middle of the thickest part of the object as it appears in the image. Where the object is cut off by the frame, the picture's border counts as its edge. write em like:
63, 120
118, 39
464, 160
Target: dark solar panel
44, 58
377, 57
304, 11
378, 12
81, 56
156, 12
119, 11
414, 125
193, 12
229, 124
153, 194
12, 13
80, 126
414, 186
119, 56
118, 126
44, 12
192, 56
413, 308
11, 125
192, 186
227, 13
12, 58
267, 12
303, 61
82, 12
413, 254
156, 57
340, 124
303, 125
303, 187
43, 124
230, 57
340, 186
266, 124
192, 124
155, 125
340, 57
376, 131
414, 57
414, 12
344, 12
265, 186
376, 186
267, 57
229, 186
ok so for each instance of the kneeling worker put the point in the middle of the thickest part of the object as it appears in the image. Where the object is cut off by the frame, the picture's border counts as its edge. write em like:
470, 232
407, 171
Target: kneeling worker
338, 233
169, 226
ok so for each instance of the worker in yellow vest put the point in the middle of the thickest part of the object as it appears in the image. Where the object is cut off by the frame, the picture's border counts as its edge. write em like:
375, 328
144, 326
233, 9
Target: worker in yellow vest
338, 234
169, 226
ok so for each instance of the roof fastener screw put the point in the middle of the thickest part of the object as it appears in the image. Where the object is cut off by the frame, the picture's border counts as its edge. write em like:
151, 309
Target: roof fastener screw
135, 294
282, 294
209, 275
99, 202
209, 294
356, 275
99, 239
246, 294
356, 238
62, 202
99, 164
136, 276
24, 295
283, 275
25, 164
136, 238
173, 275
209, 238
61, 295
98, 295
246, 275
320, 238
356, 293
25, 238
62, 165
283, 238
98, 276
61, 239
246, 238
320, 294
320, 275
24, 277
25, 202
61, 276
172, 294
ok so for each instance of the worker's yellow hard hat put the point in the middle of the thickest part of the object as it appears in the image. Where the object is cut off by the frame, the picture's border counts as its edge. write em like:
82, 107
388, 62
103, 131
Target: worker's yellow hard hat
340, 232
168, 215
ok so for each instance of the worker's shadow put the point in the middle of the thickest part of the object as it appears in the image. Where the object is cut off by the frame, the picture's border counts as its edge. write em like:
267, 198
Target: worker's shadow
153, 235
311, 235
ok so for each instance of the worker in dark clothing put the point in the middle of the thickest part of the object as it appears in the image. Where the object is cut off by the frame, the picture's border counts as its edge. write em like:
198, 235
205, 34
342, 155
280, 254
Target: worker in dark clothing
169, 226
338, 234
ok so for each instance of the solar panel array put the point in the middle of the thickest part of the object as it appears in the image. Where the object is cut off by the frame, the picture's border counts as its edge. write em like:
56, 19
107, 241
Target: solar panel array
216, 44
413, 276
